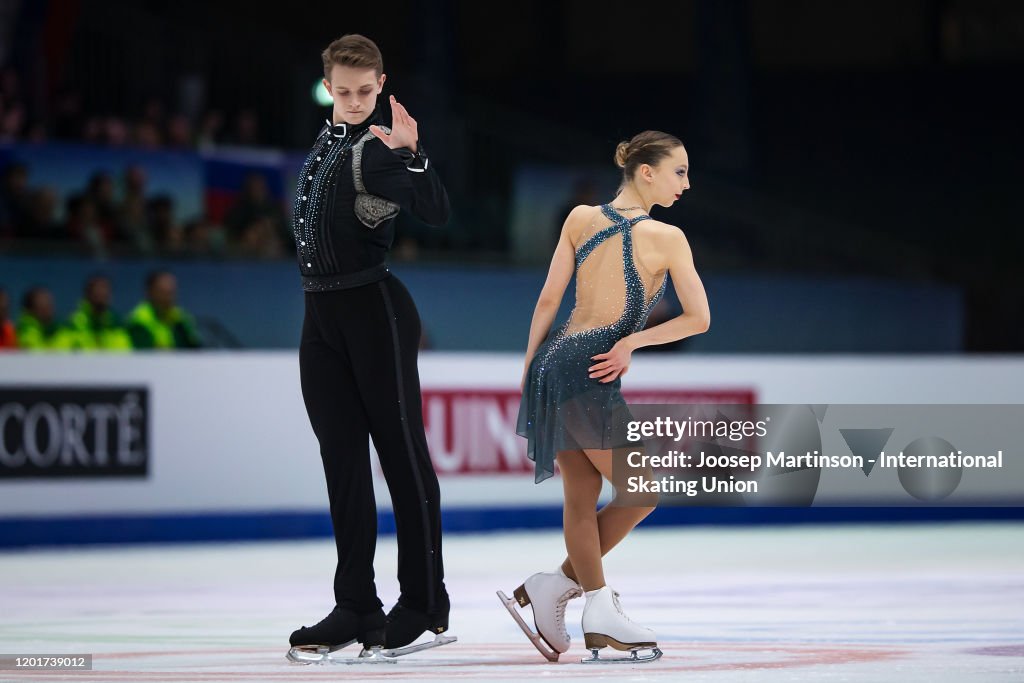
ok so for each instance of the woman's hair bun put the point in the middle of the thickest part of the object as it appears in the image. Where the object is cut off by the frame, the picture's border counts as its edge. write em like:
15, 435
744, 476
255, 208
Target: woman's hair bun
621, 154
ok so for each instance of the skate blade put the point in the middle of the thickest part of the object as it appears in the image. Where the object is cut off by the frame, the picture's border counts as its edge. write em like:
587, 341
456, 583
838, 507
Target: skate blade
634, 657
315, 654
379, 654
535, 638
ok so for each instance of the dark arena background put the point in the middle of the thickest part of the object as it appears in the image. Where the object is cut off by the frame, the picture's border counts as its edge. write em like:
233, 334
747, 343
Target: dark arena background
855, 218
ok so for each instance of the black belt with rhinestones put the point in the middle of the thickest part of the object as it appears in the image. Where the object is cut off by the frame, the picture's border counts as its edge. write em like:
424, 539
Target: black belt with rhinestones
323, 283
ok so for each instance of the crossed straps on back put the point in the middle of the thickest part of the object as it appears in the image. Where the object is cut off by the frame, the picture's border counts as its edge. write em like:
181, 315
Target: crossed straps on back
620, 224
610, 292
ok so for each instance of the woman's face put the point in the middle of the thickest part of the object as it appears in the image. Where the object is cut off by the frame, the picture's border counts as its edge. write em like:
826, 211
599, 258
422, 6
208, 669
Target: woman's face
354, 92
667, 181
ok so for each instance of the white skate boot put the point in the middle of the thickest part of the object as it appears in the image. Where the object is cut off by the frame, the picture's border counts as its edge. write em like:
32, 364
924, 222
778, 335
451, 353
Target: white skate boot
604, 624
547, 593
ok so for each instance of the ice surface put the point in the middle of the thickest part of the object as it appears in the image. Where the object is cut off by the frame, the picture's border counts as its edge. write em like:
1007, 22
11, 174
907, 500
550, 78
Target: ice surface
815, 603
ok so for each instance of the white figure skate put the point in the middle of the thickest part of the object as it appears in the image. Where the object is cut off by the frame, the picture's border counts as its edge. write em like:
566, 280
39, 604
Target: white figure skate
605, 624
547, 593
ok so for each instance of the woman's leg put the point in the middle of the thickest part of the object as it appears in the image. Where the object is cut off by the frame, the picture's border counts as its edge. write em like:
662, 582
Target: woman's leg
581, 482
614, 522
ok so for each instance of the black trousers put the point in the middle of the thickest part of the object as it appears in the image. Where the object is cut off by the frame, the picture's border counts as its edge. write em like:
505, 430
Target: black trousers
360, 380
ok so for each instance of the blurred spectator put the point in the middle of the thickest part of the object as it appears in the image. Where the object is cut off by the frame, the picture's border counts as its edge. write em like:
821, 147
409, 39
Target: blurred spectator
153, 113
84, 227
210, 129
179, 132
253, 204
202, 237
95, 325
15, 201
114, 131
132, 223
8, 339
92, 130
173, 242
197, 235
158, 322
259, 240
42, 221
147, 135
37, 328
101, 191
134, 182
133, 227
28, 213
12, 122
162, 226
246, 130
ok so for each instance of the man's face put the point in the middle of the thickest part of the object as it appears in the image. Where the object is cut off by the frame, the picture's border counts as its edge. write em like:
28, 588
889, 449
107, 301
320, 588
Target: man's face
99, 295
42, 307
164, 292
354, 92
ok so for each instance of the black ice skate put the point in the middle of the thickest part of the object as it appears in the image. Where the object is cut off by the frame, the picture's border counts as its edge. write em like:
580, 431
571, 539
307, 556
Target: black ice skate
339, 629
404, 625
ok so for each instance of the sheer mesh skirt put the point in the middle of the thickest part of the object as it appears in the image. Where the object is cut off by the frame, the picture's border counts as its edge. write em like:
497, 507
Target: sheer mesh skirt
563, 408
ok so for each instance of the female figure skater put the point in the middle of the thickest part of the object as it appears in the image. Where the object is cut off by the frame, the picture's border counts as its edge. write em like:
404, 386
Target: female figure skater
572, 409
357, 356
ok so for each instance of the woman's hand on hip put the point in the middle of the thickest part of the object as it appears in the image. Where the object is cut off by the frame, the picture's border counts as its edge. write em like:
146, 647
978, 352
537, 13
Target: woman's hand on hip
613, 364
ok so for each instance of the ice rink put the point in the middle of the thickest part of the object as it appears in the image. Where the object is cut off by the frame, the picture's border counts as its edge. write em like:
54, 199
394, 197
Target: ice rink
837, 603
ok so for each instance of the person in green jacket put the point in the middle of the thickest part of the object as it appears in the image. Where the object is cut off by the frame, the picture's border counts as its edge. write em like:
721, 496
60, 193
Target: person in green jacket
8, 337
158, 322
38, 329
94, 323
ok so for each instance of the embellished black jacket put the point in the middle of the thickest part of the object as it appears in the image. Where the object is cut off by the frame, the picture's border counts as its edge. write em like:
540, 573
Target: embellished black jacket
349, 191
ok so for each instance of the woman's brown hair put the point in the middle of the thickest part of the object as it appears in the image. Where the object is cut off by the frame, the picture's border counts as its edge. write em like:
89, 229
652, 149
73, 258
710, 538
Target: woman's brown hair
648, 147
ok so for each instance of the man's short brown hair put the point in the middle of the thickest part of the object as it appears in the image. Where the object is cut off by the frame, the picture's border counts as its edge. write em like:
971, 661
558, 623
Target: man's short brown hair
353, 50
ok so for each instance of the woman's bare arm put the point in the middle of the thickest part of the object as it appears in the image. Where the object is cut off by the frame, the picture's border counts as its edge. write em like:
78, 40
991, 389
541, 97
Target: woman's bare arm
563, 265
696, 315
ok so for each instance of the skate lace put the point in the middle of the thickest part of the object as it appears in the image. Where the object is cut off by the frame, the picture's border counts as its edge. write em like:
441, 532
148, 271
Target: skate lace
560, 608
618, 605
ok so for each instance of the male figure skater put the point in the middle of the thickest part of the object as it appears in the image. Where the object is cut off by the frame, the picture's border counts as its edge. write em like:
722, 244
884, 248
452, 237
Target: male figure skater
357, 356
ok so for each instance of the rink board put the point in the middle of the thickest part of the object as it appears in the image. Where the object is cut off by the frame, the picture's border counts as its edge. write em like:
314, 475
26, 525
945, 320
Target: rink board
218, 445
